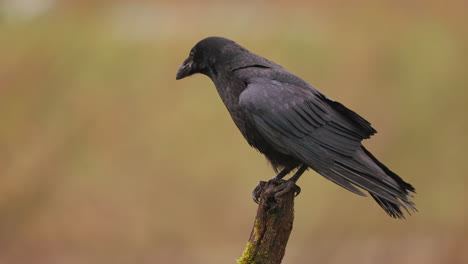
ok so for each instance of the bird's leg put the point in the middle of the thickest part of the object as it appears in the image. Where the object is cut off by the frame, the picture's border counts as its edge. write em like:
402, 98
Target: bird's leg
298, 173
291, 183
283, 173
256, 192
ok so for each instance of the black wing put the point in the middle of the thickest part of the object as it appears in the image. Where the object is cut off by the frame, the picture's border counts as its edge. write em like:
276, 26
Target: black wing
323, 134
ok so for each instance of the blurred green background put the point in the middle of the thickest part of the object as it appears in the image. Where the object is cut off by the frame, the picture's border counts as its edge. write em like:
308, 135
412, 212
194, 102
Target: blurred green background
105, 158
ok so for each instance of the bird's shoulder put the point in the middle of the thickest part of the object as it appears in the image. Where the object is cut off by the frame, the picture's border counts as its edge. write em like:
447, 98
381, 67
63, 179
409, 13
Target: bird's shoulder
270, 89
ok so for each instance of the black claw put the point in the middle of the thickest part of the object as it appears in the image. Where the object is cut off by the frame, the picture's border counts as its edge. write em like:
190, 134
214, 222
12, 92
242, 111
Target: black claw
297, 191
257, 191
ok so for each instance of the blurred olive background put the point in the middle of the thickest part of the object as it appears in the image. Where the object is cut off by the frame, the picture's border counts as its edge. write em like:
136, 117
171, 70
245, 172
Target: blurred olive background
106, 158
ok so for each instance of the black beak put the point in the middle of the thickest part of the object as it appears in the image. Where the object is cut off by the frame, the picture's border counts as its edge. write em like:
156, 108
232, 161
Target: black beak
185, 69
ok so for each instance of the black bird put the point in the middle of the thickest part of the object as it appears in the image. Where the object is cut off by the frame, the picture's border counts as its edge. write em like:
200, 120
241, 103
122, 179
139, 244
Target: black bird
294, 125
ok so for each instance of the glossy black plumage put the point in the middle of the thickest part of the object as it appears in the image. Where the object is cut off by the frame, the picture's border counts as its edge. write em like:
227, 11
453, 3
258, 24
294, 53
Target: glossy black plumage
293, 124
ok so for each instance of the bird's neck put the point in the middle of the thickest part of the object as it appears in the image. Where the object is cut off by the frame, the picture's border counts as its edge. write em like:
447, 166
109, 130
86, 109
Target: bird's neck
229, 88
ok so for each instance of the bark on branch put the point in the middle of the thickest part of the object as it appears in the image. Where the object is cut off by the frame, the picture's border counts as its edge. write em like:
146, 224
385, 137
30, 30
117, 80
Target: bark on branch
273, 223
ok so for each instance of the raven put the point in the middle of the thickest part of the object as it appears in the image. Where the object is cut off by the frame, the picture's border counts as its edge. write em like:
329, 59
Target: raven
294, 125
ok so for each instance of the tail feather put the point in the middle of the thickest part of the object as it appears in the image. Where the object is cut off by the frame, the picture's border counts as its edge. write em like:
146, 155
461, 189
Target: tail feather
408, 187
363, 170
393, 209
390, 208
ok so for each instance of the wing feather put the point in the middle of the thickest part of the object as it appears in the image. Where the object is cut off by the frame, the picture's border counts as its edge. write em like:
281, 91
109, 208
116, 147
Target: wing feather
323, 134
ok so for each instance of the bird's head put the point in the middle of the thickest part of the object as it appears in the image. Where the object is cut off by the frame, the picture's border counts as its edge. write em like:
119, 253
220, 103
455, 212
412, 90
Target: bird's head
208, 55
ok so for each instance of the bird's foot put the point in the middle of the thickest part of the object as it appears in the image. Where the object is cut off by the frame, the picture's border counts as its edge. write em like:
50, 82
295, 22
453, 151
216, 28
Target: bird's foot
258, 191
281, 188
285, 187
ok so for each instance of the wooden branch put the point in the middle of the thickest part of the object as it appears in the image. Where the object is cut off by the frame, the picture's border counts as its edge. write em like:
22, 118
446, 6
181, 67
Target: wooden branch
273, 223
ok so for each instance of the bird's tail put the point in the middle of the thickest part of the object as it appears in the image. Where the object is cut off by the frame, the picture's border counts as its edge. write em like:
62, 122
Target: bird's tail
363, 170
406, 189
